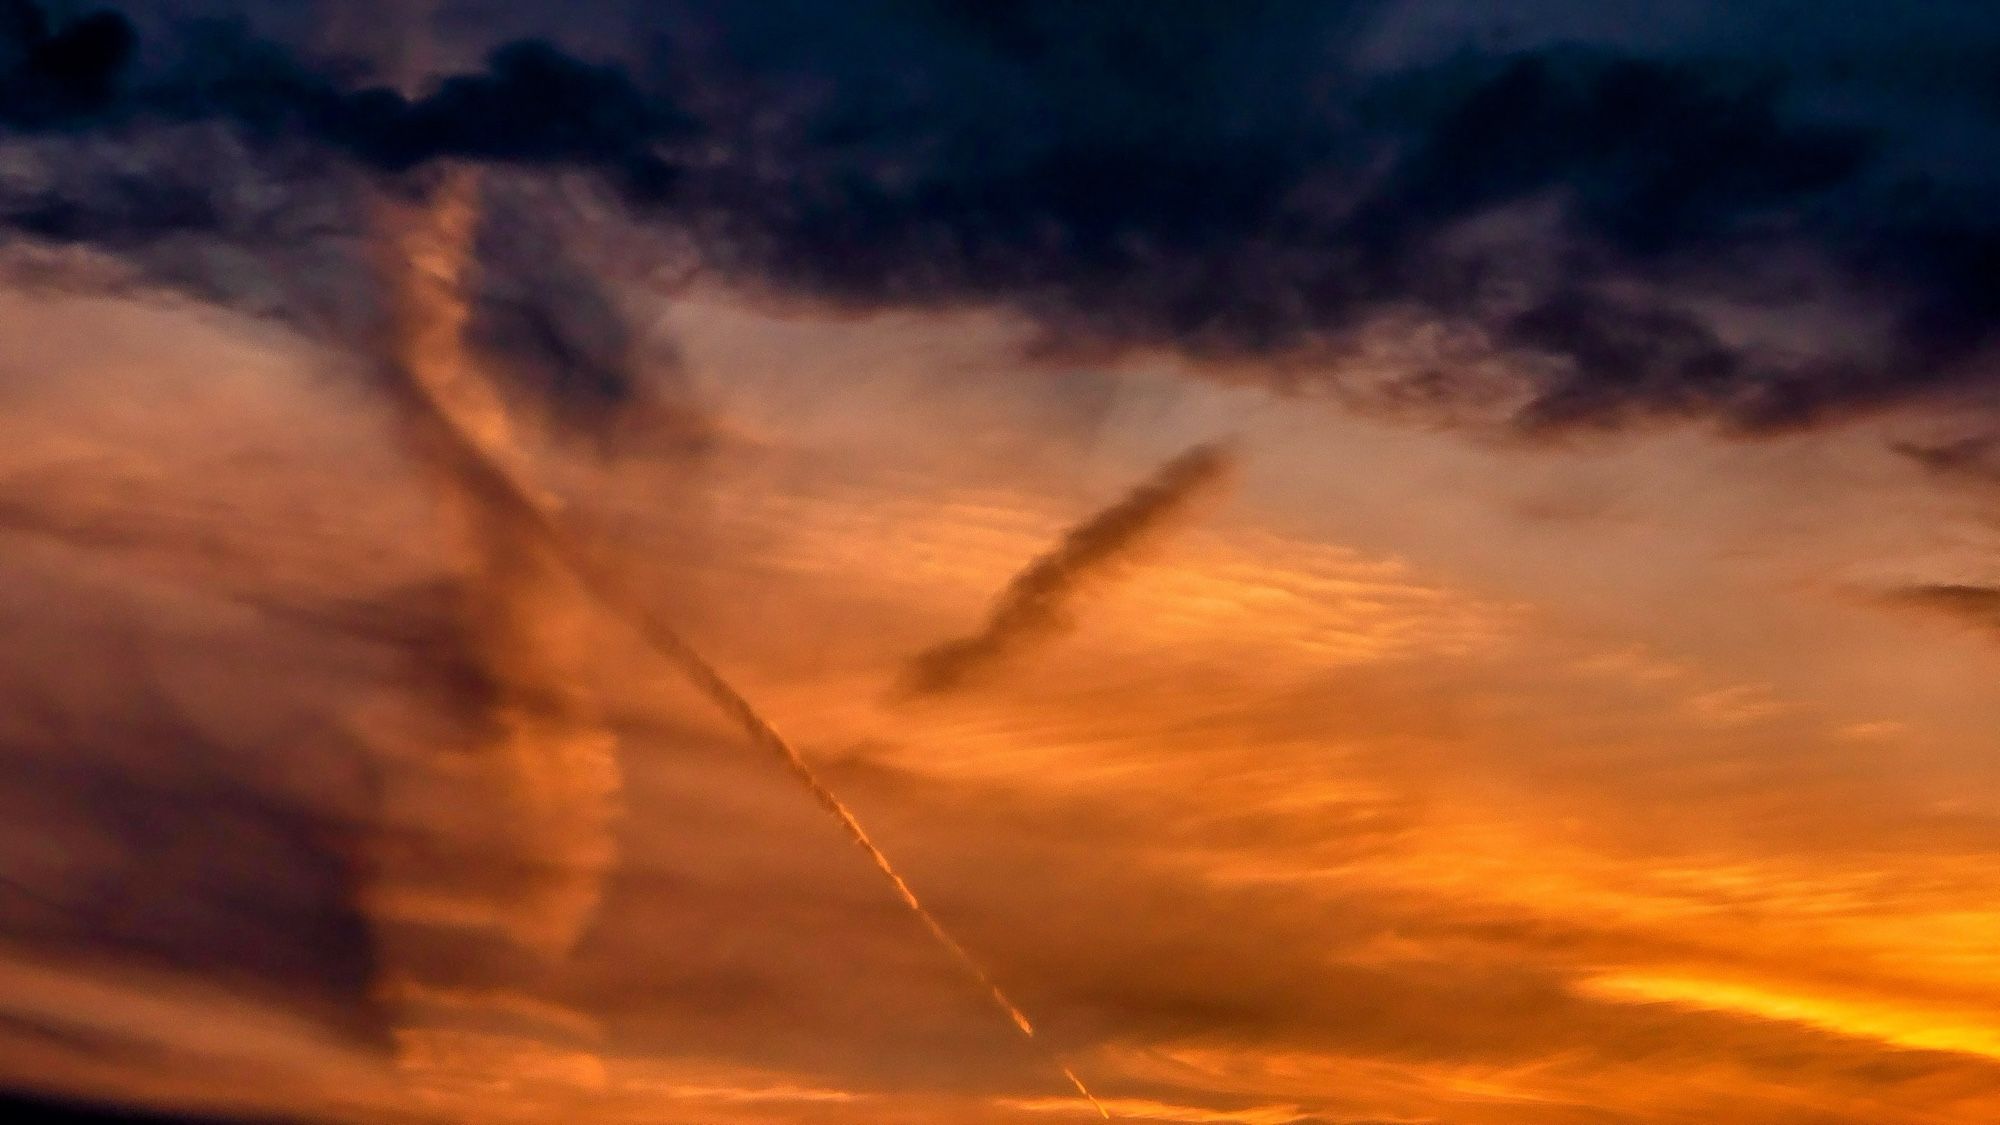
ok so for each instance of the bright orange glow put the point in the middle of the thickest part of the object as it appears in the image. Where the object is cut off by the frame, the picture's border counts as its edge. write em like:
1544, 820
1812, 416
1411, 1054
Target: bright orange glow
1890, 1021
1314, 811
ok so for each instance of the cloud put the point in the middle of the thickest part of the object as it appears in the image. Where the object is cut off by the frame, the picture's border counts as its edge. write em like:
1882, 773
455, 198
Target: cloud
1898, 1023
1973, 459
1325, 869
189, 864
1036, 604
141, 837
1641, 236
226, 168
60, 71
531, 103
540, 740
1975, 606
150, 817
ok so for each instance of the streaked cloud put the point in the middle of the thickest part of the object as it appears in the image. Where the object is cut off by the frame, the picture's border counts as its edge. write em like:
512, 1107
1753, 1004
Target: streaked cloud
1432, 779
1892, 1021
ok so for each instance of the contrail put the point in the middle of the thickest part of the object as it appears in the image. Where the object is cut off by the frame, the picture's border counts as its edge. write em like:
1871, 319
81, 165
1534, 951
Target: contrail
1033, 605
458, 426
550, 751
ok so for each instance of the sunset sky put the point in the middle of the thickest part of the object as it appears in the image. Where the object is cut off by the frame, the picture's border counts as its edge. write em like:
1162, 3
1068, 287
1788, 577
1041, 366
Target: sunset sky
1367, 562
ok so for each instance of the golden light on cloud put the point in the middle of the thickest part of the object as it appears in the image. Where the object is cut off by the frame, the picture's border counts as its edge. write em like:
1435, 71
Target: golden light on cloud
1372, 795
1903, 1023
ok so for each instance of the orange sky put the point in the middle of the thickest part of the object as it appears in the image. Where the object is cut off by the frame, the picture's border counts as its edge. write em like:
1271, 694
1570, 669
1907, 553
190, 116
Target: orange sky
1418, 779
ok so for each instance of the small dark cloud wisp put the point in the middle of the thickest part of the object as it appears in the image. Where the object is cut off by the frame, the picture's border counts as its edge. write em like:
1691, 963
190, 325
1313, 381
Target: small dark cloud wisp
1974, 606
1037, 603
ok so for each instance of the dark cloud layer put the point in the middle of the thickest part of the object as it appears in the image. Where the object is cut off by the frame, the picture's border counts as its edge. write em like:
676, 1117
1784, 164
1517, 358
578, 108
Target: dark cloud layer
531, 103
1639, 236
223, 165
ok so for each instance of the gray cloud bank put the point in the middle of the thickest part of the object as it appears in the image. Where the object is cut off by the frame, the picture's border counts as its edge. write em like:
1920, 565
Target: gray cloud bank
1642, 231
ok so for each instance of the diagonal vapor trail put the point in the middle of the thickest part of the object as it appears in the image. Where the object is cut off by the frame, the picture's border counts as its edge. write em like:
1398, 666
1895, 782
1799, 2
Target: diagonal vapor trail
477, 453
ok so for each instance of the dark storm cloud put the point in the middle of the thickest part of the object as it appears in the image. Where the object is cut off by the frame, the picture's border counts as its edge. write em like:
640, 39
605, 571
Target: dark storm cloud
531, 103
1641, 236
223, 165
1584, 210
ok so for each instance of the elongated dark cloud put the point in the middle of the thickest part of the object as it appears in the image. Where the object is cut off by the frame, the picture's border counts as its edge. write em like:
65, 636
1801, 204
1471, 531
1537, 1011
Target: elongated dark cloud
1974, 460
1637, 236
1975, 606
1036, 604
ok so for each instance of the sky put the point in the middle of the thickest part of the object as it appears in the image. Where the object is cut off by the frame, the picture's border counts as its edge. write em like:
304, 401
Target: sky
1346, 563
